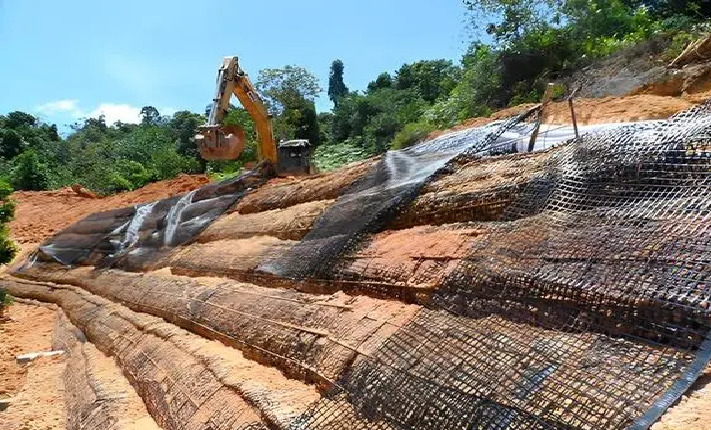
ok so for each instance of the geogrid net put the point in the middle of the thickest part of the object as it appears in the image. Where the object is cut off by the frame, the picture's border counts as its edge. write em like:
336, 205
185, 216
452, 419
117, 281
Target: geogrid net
586, 307
376, 199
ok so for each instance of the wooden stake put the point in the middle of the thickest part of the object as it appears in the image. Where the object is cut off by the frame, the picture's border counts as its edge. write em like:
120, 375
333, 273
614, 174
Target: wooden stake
546, 100
572, 113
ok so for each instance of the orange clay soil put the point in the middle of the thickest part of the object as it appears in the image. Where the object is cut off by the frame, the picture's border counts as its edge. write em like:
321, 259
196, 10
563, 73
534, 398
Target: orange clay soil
598, 110
238, 241
693, 411
419, 257
40, 214
36, 390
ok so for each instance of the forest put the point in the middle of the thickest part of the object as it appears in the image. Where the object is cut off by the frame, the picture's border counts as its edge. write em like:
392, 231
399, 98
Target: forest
528, 43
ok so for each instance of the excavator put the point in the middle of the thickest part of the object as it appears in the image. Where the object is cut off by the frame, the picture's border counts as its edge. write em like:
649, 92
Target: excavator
217, 141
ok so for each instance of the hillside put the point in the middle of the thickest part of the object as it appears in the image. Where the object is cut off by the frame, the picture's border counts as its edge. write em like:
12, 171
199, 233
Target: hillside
462, 261
287, 356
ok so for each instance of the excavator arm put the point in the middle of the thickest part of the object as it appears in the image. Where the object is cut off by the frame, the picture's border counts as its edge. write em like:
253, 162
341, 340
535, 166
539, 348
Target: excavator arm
219, 142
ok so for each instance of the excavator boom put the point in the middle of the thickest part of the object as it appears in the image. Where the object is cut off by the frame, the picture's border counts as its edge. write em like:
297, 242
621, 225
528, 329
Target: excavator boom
220, 142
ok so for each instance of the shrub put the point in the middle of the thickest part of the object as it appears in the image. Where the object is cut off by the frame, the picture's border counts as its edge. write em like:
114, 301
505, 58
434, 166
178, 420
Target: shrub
331, 157
168, 164
5, 300
7, 210
219, 170
411, 134
131, 174
29, 173
8, 250
7, 206
117, 183
558, 91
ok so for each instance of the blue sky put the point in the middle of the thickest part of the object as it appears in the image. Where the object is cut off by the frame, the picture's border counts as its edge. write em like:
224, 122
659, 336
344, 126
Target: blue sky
64, 59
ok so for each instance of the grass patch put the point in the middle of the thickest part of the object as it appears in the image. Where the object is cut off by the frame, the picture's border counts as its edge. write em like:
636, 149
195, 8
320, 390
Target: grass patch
331, 157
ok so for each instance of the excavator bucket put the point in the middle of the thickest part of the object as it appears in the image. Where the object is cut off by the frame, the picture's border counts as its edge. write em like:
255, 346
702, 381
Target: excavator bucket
220, 143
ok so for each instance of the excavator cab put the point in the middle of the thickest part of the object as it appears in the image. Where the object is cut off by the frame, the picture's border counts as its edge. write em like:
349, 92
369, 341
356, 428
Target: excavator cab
295, 157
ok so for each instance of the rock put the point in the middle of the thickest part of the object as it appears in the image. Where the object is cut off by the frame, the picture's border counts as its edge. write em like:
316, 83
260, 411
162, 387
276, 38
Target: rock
4, 404
698, 50
26, 358
84, 192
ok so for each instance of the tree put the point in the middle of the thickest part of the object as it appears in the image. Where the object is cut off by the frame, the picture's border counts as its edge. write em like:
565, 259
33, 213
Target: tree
19, 119
325, 126
336, 87
20, 131
433, 79
384, 80
281, 86
239, 117
184, 125
371, 120
478, 90
300, 114
53, 133
699, 9
29, 172
290, 94
509, 20
7, 207
149, 115
7, 210
11, 143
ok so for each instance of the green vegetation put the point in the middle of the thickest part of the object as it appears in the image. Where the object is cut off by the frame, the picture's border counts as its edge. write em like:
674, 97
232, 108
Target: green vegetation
331, 157
410, 134
7, 210
5, 301
337, 89
531, 43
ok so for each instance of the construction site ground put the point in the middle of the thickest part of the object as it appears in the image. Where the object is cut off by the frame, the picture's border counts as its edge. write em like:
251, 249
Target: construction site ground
37, 391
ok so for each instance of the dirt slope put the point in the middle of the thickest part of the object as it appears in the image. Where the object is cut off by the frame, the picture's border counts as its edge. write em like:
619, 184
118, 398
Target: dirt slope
36, 390
41, 214
279, 348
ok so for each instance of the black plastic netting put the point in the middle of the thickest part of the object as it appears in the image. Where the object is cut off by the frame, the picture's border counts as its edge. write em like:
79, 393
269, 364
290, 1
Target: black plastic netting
376, 198
586, 307
131, 238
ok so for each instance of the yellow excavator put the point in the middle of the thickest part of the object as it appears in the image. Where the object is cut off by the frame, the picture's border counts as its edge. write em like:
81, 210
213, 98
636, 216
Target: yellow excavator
216, 141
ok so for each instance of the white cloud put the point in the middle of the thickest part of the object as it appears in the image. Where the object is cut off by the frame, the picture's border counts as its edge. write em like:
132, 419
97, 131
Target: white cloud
117, 112
60, 106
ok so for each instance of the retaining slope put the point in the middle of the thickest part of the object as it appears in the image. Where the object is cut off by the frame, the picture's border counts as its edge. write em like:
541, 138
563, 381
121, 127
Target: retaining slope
98, 396
565, 289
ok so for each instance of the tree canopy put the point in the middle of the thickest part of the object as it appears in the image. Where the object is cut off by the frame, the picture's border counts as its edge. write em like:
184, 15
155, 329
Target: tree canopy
531, 42
279, 87
336, 87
